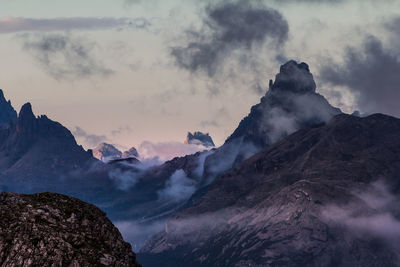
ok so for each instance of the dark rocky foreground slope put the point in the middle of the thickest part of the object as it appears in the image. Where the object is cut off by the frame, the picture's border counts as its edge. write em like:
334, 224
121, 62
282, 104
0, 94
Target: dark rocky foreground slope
323, 196
54, 230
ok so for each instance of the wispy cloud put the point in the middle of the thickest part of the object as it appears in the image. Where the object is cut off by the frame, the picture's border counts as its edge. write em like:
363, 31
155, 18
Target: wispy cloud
167, 150
91, 140
64, 56
21, 24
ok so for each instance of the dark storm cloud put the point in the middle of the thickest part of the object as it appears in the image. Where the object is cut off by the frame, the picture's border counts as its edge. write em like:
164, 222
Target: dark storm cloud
229, 27
91, 140
65, 57
11, 24
372, 73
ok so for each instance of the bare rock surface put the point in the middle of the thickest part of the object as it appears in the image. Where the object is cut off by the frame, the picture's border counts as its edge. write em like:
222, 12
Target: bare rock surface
49, 229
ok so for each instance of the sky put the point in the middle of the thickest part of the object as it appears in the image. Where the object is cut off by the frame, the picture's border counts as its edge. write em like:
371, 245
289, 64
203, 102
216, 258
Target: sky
132, 71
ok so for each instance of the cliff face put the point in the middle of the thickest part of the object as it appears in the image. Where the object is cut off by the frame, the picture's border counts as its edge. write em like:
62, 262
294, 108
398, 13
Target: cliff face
7, 112
54, 230
323, 196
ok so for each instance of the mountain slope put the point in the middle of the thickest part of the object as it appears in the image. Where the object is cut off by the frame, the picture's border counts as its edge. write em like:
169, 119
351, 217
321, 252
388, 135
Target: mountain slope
55, 230
316, 198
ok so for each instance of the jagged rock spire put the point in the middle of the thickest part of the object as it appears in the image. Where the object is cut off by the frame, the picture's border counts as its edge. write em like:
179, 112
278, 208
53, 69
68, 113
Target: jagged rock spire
294, 77
7, 112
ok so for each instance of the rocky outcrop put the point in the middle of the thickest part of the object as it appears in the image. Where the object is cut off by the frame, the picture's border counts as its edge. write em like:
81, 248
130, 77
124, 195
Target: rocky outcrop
199, 138
324, 196
54, 230
106, 152
7, 112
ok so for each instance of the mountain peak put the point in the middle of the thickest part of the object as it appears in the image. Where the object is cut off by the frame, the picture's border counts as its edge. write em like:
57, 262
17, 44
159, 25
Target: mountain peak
7, 112
2, 98
106, 152
199, 138
26, 112
294, 77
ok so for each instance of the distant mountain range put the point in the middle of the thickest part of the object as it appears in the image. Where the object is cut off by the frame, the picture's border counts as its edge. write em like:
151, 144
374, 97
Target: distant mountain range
107, 152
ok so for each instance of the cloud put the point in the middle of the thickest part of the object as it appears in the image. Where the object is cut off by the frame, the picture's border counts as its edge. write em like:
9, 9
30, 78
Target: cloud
65, 57
90, 140
373, 216
137, 233
209, 123
178, 187
121, 130
167, 150
371, 73
229, 28
124, 180
20, 24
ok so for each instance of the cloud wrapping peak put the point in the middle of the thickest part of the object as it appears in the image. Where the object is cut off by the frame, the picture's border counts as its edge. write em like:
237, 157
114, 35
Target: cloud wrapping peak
20, 24
65, 57
229, 27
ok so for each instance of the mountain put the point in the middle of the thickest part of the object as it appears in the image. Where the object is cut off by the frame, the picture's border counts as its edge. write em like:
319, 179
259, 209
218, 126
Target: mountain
54, 230
37, 150
7, 112
106, 152
324, 196
290, 104
199, 138
131, 153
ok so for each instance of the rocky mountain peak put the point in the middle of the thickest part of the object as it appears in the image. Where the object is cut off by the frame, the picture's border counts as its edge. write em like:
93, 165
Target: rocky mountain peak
132, 152
294, 77
7, 112
106, 152
199, 138
26, 120
26, 112
290, 104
